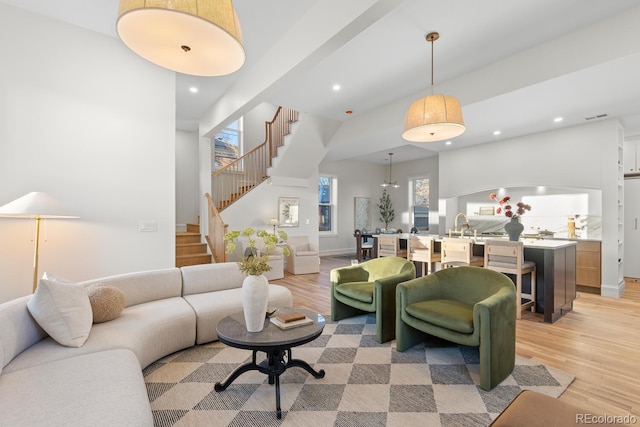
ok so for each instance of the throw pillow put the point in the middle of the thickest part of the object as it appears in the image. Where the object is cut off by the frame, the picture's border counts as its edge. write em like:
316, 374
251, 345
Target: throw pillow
107, 302
63, 310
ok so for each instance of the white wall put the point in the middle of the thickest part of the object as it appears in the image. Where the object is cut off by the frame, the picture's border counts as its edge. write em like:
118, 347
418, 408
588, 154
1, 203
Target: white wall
85, 120
187, 190
362, 179
583, 156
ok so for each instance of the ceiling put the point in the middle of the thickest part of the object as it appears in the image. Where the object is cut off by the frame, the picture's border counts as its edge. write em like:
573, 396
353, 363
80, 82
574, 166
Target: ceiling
514, 66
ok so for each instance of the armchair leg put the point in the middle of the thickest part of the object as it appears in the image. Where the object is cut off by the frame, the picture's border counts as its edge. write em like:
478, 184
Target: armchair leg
341, 311
406, 336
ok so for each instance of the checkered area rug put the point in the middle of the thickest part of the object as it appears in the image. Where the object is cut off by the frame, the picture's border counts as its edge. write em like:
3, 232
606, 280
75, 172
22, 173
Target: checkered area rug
366, 384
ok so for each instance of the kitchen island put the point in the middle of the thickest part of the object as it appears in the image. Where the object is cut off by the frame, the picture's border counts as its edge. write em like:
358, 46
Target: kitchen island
555, 267
556, 276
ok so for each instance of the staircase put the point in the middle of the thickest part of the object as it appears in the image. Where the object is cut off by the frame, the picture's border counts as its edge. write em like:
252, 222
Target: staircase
242, 175
189, 247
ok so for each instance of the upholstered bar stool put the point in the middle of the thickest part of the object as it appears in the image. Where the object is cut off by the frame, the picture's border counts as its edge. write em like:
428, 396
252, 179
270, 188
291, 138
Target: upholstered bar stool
459, 252
422, 249
363, 249
508, 257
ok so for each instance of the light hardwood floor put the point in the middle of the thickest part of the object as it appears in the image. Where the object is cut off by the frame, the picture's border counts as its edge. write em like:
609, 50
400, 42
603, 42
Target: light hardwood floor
598, 342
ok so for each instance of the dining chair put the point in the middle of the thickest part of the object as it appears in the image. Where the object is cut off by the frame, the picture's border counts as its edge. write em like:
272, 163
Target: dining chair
422, 249
508, 257
363, 249
458, 252
389, 245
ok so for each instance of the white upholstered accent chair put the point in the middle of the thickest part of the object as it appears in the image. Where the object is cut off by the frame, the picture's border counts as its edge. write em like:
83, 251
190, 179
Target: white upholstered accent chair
459, 252
276, 258
303, 256
389, 245
507, 257
422, 249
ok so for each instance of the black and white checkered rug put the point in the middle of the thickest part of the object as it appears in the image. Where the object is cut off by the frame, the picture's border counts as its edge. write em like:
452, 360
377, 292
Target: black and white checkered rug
366, 384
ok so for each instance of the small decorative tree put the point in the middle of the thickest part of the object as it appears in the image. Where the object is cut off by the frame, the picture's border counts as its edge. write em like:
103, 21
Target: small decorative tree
387, 213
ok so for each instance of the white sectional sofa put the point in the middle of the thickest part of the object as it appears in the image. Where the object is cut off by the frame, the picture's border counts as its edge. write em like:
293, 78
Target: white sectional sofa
43, 383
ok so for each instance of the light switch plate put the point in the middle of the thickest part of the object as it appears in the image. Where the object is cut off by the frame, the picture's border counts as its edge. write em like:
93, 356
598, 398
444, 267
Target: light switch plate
147, 225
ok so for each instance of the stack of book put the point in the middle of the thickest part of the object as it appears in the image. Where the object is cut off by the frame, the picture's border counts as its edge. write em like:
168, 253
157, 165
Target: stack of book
290, 320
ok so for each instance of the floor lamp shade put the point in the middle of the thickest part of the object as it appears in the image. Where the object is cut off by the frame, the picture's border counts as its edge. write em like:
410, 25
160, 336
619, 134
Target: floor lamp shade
196, 37
36, 205
433, 118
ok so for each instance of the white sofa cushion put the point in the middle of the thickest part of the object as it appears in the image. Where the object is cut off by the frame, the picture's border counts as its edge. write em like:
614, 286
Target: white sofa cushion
211, 307
63, 310
18, 328
151, 330
144, 286
97, 389
197, 279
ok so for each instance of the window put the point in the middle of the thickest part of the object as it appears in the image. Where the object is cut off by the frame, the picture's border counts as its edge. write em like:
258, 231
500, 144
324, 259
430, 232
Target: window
326, 202
420, 203
227, 145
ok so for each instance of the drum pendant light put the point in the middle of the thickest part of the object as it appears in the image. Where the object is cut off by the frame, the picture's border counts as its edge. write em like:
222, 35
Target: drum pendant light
196, 37
434, 117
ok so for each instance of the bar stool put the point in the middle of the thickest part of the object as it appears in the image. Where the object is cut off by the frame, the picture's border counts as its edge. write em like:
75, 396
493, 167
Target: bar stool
389, 245
508, 257
457, 252
422, 249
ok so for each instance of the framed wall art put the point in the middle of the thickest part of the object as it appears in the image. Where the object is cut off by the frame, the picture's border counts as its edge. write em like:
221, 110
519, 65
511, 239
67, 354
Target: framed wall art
288, 211
362, 212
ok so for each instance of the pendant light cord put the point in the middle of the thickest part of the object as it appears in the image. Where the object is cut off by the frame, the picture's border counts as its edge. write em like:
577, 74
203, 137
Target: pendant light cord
431, 37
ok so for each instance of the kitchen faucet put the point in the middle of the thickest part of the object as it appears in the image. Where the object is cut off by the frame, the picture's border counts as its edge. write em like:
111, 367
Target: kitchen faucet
455, 225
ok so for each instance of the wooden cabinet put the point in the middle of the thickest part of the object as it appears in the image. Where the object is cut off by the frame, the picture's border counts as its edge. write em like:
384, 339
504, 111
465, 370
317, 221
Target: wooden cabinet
555, 278
588, 264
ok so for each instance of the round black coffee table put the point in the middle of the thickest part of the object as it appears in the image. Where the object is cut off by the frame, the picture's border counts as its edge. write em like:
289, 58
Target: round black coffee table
273, 341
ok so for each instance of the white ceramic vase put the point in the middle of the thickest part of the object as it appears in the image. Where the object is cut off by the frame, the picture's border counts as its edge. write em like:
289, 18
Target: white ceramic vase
255, 295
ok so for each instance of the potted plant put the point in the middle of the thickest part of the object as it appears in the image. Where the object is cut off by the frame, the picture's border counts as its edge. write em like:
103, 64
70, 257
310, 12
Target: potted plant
387, 213
254, 262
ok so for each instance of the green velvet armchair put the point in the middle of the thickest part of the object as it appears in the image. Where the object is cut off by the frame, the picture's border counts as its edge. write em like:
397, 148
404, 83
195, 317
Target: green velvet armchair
370, 287
471, 306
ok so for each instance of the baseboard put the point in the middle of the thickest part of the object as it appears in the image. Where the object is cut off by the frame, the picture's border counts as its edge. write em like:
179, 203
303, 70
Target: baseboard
338, 252
613, 291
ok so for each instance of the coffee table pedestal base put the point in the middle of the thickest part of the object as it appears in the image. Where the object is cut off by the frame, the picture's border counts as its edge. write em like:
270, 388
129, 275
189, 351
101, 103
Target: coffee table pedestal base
273, 366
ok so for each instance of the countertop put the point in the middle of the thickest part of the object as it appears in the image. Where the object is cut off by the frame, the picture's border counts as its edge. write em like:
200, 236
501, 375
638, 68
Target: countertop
549, 243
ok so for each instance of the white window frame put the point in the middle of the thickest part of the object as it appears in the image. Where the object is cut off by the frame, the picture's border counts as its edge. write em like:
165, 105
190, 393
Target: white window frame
229, 129
333, 203
412, 201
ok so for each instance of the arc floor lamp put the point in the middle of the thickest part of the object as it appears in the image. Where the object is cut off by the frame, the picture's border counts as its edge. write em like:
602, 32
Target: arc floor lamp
36, 205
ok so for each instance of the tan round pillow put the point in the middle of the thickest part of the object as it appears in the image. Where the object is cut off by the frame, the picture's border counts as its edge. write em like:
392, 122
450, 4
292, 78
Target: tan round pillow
106, 301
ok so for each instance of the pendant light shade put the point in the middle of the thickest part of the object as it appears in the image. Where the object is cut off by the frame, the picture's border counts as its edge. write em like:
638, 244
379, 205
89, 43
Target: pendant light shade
196, 37
434, 117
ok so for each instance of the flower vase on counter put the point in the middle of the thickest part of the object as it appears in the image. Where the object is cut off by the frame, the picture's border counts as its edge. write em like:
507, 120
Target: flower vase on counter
513, 211
514, 229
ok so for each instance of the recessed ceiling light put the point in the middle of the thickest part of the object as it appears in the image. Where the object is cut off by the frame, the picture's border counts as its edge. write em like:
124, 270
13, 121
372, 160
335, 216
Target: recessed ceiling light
336, 87
496, 132
557, 119
447, 143
193, 89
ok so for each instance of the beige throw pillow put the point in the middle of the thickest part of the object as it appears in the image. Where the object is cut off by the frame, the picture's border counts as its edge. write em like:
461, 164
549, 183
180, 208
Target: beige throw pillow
107, 302
63, 310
